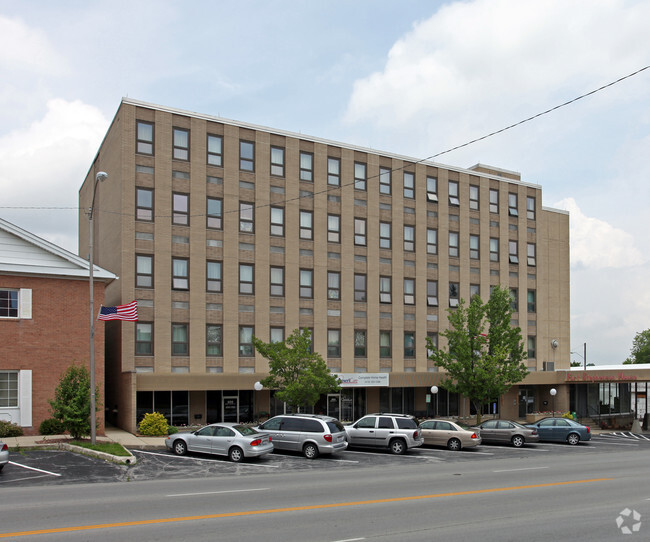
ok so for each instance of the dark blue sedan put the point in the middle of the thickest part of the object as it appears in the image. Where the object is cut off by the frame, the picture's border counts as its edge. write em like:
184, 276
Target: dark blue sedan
561, 430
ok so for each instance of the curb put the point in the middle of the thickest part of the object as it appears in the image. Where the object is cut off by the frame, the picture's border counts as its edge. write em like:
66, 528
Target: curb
121, 459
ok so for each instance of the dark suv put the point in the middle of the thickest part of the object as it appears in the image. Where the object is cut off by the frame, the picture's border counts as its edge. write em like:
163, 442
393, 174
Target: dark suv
310, 434
397, 432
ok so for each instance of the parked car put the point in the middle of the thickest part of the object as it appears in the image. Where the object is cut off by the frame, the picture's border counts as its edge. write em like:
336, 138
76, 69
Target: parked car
230, 439
4, 454
311, 434
561, 430
397, 432
449, 434
507, 431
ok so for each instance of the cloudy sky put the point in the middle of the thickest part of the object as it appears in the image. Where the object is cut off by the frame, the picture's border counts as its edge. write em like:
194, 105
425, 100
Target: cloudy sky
416, 77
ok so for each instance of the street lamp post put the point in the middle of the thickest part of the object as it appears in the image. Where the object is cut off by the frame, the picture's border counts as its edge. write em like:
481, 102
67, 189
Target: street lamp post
101, 176
434, 391
553, 394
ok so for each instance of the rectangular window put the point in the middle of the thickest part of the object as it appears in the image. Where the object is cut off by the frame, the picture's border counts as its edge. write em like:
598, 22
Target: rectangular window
432, 189
360, 350
512, 205
532, 301
531, 253
277, 161
409, 344
215, 150
434, 341
143, 339
409, 185
454, 294
246, 348
180, 209
247, 156
474, 252
180, 274
144, 137
409, 238
306, 225
494, 249
513, 252
8, 303
277, 221
276, 335
385, 290
360, 288
432, 241
143, 271
246, 217
181, 144
307, 283
214, 340
333, 343
334, 171
333, 285
474, 290
530, 208
360, 231
532, 347
384, 235
453, 244
494, 201
246, 278
333, 228
8, 389
144, 204
432, 293
306, 166
180, 340
277, 281
359, 176
409, 291
214, 213
514, 299
453, 193
384, 181
473, 197
213, 277
384, 344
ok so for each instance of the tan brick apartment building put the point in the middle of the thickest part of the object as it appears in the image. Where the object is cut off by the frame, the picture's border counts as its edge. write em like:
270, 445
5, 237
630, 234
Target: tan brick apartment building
44, 324
222, 230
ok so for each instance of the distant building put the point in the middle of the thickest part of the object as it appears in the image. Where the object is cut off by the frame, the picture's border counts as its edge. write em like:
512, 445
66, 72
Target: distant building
224, 230
44, 323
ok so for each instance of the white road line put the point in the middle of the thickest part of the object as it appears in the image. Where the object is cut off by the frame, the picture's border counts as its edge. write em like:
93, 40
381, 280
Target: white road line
204, 459
219, 492
349, 540
525, 468
34, 468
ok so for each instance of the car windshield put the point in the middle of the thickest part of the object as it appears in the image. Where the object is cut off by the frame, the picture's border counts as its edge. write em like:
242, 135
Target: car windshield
245, 430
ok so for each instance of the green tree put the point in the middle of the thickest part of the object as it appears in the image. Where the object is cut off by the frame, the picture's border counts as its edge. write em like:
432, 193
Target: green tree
485, 353
298, 375
71, 403
640, 352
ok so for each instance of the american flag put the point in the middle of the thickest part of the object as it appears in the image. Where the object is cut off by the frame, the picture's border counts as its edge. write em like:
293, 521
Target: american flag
121, 312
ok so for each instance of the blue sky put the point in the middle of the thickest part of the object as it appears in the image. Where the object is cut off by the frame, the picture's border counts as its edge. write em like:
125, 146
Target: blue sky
410, 77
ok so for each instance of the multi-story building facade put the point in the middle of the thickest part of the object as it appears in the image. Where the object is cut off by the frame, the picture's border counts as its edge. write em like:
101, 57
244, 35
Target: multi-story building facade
223, 231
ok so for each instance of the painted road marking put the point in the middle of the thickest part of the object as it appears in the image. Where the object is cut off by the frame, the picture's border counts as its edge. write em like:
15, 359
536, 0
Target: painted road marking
526, 468
219, 492
34, 468
296, 508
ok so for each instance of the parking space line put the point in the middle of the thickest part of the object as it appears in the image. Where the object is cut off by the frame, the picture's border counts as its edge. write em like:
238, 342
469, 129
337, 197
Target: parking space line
33, 468
205, 459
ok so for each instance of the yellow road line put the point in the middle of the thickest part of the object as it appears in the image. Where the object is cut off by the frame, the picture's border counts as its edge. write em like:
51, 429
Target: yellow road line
294, 508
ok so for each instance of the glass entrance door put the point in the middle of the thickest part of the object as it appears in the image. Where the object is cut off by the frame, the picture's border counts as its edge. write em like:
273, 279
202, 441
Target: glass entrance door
334, 405
526, 401
230, 409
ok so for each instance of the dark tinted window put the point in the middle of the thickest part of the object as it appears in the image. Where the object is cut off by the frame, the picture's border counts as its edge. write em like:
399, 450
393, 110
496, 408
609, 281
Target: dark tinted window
406, 423
386, 423
312, 426
292, 424
335, 426
446, 426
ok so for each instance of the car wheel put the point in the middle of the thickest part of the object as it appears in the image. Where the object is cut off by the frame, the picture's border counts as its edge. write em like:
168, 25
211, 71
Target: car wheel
180, 447
397, 446
518, 441
454, 444
235, 454
310, 450
573, 439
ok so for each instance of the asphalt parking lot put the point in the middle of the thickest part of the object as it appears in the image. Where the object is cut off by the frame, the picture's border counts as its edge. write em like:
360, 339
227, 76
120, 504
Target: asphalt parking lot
51, 467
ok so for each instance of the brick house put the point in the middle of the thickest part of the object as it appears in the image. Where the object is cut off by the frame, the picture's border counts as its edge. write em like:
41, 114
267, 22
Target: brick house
44, 323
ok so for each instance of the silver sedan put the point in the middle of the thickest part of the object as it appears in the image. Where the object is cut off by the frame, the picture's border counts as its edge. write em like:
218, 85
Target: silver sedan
4, 454
230, 439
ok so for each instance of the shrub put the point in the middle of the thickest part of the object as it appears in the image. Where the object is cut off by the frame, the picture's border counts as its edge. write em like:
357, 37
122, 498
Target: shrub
171, 430
51, 426
8, 429
154, 424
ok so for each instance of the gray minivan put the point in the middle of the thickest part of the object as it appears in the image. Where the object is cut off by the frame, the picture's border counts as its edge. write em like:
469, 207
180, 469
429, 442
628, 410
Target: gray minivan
311, 434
